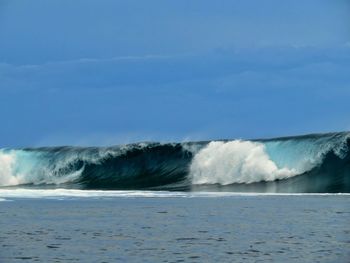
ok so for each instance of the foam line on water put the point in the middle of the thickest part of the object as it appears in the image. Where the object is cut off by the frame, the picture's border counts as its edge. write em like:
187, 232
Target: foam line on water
68, 193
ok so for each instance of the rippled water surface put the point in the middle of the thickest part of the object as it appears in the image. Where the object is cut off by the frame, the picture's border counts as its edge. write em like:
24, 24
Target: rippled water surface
176, 229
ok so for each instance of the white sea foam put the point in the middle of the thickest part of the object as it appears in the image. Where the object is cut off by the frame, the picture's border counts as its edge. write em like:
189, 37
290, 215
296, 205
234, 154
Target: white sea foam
7, 166
235, 162
61, 194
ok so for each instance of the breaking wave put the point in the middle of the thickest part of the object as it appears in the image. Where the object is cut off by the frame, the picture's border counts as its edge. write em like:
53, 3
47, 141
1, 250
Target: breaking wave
311, 163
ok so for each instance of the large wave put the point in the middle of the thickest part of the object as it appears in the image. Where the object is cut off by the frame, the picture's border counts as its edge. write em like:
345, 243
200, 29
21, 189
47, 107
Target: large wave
312, 163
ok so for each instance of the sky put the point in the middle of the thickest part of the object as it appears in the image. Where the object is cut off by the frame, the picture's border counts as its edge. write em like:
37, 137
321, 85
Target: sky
109, 72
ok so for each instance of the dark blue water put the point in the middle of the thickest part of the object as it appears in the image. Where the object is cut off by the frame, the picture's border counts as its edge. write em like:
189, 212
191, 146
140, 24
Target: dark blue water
176, 229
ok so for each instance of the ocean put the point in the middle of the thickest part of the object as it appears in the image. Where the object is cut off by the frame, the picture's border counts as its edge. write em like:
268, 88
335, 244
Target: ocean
276, 200
174, 227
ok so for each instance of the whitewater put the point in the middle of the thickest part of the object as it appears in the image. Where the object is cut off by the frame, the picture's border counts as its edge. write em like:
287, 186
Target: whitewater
316, 163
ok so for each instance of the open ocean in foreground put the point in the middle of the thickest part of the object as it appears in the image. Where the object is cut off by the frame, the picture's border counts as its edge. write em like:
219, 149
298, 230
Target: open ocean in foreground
173, 227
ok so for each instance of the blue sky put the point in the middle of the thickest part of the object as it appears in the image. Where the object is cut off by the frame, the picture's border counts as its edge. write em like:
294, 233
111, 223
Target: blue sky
110, 72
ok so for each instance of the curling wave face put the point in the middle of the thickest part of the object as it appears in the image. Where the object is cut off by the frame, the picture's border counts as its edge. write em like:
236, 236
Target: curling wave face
312, 163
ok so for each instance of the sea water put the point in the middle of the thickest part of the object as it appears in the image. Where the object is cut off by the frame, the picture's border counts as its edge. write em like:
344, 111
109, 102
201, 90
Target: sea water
136, 226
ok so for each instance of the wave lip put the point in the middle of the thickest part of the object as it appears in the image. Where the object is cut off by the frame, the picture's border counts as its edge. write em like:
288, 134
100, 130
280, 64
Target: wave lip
313, 163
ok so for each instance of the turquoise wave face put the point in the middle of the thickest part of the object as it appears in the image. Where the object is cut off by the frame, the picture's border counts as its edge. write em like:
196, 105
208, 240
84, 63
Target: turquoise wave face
305, 152
313, 163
